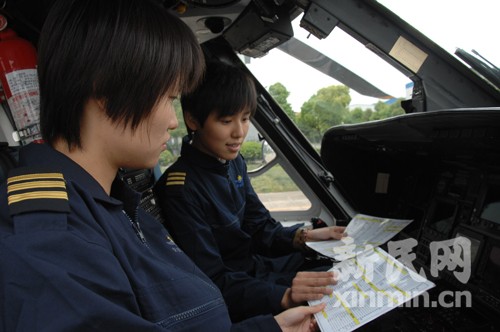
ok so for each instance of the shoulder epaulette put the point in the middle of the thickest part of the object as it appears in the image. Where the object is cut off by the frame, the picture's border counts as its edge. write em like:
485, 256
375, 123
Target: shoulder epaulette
175, 179
32, 189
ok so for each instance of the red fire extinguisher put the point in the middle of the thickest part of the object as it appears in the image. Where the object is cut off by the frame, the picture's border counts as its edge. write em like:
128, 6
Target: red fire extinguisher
20, 82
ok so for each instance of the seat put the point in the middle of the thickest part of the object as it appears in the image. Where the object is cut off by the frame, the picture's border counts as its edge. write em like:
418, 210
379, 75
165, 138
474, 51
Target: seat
8, 160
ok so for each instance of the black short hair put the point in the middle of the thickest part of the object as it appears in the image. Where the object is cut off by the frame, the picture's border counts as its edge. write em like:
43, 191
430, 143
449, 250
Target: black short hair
225, 89
125, 53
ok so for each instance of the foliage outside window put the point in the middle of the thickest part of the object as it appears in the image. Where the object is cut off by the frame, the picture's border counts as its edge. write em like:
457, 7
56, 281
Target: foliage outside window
330, 107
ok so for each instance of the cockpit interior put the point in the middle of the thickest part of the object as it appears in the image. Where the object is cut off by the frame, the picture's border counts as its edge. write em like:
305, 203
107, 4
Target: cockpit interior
437, 164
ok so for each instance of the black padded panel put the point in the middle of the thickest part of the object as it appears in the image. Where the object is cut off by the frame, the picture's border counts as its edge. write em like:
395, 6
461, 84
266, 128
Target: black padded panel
7, 160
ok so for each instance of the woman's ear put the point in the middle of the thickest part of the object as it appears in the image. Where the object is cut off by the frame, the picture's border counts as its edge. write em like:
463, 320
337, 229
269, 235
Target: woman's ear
191, 122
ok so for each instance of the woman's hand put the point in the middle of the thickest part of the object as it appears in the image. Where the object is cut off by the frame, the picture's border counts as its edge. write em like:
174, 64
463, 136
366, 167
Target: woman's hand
326, 233
307, 286
299, 319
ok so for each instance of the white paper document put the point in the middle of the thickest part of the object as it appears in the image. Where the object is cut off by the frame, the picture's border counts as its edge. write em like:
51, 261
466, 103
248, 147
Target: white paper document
368, 286
364, 232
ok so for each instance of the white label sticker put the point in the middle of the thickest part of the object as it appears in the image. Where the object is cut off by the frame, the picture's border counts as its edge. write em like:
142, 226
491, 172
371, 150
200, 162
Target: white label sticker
25, 100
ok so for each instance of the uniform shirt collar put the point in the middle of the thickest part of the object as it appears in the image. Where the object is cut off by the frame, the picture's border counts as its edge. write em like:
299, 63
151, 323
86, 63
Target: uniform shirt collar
202, 159
45, 155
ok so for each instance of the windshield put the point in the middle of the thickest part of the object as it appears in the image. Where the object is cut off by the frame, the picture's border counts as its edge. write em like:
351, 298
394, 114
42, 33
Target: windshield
354, 84
454, 24
467, 31
304, 81
317, 100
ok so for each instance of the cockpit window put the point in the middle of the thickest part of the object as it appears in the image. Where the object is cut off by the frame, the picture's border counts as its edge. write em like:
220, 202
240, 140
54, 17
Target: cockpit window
338, 80
468, 32
328, 82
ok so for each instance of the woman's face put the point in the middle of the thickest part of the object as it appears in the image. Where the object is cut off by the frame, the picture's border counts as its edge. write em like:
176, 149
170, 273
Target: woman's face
222, 137
141, 148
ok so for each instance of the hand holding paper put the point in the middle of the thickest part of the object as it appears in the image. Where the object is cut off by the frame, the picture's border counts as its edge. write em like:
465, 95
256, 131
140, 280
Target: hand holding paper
363, 233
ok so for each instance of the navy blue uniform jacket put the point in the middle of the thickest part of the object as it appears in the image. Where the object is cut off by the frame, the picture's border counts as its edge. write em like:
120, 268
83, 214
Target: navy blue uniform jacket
72, 258
215, 216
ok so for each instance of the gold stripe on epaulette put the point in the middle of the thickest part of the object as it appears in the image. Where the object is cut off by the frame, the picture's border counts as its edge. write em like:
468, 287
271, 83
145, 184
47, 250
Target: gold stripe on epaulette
177, 174
176, 179
35, 177
37, 195
35, 184
173, 183
36, 191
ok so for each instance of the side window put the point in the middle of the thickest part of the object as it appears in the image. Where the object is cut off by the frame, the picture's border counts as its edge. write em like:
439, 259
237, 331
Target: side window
274, 186
169, 156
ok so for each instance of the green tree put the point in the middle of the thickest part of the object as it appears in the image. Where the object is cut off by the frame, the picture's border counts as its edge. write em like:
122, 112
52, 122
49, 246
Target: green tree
355, 116
335, 94
166, 158
176, 135
385, 110
367, 114
252, 151
327, 108
280, 94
